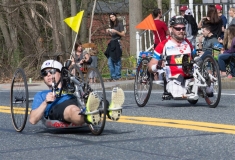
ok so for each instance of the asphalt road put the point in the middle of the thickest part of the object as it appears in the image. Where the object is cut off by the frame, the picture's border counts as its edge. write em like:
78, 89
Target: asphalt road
162, 130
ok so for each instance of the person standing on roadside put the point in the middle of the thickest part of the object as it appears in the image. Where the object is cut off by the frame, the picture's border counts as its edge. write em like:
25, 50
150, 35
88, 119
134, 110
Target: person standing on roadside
231, 13
162, 30
114, 50
224, 19
191, 27
182, 10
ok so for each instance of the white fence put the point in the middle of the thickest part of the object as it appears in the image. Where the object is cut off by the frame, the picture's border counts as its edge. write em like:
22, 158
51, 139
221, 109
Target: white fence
145, 39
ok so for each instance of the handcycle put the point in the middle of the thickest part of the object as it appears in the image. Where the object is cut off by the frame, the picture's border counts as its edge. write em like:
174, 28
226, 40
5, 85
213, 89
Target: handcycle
202, 77
72, 81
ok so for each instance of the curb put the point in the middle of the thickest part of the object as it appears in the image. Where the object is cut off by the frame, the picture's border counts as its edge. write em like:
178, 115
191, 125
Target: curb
124, 84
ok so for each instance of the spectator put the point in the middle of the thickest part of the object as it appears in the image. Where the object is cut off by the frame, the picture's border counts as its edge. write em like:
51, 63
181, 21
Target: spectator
229, 49
162, 30
207, 44
114, 50
213, 20
231, 13
224, 19
182, 10
191, 27
94, 64
80, 56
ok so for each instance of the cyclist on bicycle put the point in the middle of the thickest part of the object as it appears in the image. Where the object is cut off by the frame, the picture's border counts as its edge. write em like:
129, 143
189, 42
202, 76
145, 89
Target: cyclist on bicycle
64, 108
173, 49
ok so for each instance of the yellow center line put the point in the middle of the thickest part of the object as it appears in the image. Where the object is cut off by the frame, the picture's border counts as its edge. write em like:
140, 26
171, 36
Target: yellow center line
183, 124
162, 122
19, 110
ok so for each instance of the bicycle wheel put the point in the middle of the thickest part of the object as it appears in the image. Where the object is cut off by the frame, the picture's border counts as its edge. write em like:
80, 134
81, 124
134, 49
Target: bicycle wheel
143, 83
75, 70
210, 71
94, 83
19, 100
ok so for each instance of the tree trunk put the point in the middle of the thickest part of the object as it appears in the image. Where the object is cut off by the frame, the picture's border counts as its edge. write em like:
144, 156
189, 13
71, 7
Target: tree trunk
11, 19
159, 4
84, 23
65, 38
135, 17
91, 19
73, 13
52, 10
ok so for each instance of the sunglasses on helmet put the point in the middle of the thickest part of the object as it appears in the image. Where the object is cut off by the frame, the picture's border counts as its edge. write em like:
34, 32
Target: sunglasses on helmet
45, 72
179, 28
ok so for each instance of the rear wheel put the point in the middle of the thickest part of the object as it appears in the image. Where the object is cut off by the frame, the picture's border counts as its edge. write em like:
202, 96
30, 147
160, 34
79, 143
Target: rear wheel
19, 100
210, 72
94, 83
143, 83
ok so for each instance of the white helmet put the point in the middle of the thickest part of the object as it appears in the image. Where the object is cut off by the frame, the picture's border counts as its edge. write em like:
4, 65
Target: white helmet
51, 64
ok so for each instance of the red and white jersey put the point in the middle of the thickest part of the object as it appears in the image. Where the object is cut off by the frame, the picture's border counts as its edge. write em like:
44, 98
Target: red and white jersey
173, 53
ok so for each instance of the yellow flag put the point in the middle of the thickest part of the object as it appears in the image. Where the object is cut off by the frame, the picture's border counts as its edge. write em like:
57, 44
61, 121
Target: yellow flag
74, 22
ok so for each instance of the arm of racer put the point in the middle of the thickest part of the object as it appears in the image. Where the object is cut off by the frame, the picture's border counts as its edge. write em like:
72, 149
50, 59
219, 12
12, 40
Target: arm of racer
152, 65
38, 113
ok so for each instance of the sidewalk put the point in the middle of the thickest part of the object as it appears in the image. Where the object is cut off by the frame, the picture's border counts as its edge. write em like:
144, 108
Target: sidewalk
40, 85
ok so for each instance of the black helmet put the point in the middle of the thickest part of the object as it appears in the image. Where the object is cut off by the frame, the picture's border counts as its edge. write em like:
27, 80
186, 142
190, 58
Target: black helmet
178, 20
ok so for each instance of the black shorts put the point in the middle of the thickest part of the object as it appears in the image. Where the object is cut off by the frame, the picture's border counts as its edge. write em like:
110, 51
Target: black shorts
57, 111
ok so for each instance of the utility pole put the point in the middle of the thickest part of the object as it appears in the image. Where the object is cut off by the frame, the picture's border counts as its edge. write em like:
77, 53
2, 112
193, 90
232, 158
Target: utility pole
135, 17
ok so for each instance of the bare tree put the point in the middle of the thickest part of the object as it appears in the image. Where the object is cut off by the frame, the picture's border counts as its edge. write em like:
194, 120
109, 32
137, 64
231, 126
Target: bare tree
83, 27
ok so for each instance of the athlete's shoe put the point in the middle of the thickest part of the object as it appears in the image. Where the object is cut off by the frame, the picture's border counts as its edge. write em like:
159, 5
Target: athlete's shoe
92, 115
115, 107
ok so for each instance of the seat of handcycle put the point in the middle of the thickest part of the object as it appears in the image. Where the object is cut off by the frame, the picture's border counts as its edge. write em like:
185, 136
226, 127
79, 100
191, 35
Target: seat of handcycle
58, 124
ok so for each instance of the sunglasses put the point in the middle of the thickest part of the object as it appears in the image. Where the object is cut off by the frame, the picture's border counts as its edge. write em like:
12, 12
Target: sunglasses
179, 28
45, 72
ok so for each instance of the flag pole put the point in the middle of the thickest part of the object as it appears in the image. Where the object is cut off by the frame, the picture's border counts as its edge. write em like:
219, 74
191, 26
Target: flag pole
71, 55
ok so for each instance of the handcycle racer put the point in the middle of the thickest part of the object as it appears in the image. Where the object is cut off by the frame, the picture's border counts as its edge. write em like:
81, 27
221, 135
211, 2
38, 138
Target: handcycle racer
174, 50
65, 108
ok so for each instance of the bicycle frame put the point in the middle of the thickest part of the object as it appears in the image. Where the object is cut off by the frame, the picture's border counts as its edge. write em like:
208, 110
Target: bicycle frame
199, 81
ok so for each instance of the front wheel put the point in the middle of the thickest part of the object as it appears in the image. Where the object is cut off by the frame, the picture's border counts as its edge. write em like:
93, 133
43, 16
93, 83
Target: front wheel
94, 83
143, 83
210, 72
19, 100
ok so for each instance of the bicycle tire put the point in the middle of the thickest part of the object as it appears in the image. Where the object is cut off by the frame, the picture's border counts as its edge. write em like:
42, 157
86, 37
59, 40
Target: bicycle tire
143, 83
19, 100
97, 86
210, 67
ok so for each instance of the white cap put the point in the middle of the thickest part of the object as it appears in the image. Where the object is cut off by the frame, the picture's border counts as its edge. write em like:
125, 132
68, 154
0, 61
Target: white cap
51, 64
188, 12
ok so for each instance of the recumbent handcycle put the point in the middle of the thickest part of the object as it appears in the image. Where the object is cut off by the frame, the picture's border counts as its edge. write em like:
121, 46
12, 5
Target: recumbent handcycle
205, 76
73, 81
